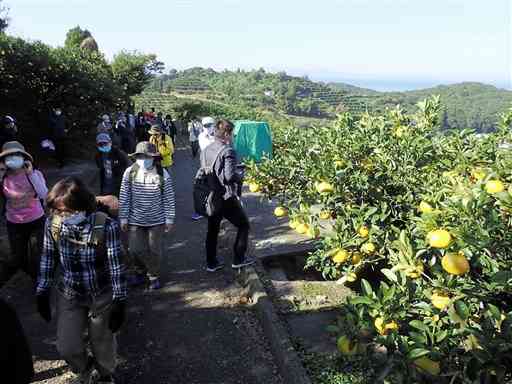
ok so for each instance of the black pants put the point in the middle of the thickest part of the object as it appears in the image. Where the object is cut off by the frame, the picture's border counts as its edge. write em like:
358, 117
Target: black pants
194, 145
25, 254
235, 214
60, 151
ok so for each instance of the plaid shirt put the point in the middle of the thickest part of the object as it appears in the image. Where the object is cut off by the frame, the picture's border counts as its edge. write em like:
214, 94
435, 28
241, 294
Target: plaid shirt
82, 272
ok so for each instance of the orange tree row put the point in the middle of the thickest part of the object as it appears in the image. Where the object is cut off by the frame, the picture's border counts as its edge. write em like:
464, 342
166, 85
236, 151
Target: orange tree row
429, 213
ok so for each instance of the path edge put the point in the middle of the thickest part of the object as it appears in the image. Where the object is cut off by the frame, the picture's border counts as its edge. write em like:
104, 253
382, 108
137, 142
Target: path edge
286, 357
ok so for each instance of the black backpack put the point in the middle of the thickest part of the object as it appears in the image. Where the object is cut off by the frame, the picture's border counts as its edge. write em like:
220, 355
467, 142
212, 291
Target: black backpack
208, 191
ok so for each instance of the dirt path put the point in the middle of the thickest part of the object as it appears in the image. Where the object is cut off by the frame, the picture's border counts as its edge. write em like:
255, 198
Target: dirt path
194, 330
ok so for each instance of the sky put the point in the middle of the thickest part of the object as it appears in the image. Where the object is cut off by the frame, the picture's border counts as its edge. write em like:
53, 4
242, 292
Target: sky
382, 44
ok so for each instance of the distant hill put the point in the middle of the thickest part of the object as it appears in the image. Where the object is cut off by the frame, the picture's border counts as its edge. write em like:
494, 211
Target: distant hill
466, 105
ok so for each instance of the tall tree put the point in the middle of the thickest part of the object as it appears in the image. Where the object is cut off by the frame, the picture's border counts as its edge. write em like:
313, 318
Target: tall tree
76, 36
4, 19
134, 70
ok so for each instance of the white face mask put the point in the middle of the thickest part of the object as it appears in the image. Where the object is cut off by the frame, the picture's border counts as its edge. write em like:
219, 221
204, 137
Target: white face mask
58, 112
14, 162
145, 163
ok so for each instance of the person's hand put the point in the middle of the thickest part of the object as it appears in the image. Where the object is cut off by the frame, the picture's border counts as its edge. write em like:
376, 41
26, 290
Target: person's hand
3, 170
169, 228
43, 306
29, 168
117, 315
124, 227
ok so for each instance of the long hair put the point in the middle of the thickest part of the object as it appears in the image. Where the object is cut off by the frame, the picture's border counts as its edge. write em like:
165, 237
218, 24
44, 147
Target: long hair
73, 194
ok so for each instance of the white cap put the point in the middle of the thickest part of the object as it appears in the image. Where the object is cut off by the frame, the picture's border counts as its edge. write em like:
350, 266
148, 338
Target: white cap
208, 120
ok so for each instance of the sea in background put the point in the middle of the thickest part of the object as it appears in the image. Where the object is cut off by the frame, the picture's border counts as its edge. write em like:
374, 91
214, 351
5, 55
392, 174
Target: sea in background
398, 85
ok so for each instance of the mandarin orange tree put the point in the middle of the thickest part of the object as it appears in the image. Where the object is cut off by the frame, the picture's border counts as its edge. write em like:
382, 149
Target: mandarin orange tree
430, 213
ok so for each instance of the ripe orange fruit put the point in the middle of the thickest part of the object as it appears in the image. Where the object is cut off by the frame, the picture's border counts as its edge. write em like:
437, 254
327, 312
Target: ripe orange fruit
324, 187
368, 248
425, 207
440, 238
363, 231
455, 263
494, 186
254, 187
440, 300
280, 211
302, 228
340, 256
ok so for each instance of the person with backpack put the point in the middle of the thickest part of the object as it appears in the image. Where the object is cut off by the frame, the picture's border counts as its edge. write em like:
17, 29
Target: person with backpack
111, 162
164, 146
146, 211
219, 160
194, 129
23, 189
83, 246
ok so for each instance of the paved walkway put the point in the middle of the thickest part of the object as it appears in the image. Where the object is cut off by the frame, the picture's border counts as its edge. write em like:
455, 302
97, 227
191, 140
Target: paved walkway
196, 329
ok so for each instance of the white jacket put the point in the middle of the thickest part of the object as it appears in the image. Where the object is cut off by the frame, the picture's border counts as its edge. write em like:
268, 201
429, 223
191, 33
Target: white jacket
205, 139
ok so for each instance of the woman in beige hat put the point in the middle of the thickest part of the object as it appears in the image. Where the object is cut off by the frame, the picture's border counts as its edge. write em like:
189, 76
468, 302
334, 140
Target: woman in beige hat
23, 188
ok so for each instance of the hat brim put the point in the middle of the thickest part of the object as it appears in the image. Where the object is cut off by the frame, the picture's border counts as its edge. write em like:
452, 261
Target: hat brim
15, 151
154, 132
145, 154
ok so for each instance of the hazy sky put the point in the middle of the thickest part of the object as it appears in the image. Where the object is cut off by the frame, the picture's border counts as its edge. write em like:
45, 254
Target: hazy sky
383, 41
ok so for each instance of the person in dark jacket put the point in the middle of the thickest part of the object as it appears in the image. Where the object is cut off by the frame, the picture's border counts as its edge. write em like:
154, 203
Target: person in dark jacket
170, 128
112, 162
9, 130
57, 123
225, 169
15, 355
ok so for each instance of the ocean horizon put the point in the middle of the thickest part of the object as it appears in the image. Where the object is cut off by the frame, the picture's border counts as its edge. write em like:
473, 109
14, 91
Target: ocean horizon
400, 85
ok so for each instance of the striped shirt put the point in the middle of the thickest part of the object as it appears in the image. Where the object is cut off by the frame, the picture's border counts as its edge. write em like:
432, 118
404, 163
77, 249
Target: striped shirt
82, 273
143, 201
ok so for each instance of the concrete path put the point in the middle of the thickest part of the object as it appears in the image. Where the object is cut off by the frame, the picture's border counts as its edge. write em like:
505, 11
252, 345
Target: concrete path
196, 329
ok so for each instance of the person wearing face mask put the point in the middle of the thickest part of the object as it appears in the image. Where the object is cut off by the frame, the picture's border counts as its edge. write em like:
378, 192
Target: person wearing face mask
57, 123
222, 158
164, 146
146, 211
83, 246
23, 189
9, 130
207, 136
111, 162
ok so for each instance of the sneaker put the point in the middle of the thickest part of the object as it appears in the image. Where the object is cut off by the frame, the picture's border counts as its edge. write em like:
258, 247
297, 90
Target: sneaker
216, 268
242, 264
136, 280
196, 216
154, 284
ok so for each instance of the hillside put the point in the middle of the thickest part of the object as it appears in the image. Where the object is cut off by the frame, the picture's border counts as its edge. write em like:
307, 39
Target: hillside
466, 105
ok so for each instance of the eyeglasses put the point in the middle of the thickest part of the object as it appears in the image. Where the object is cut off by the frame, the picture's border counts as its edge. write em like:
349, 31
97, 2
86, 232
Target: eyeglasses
104, 144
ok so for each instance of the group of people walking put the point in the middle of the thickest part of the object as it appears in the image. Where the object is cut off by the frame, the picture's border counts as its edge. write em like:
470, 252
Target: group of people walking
92, 247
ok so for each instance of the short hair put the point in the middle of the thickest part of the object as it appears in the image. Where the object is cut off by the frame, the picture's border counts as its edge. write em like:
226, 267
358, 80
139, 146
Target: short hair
224, 128
73, 194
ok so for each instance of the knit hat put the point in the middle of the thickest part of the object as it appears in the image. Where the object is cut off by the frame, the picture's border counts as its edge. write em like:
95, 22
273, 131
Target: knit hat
103, 138
14, 147
145, 148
